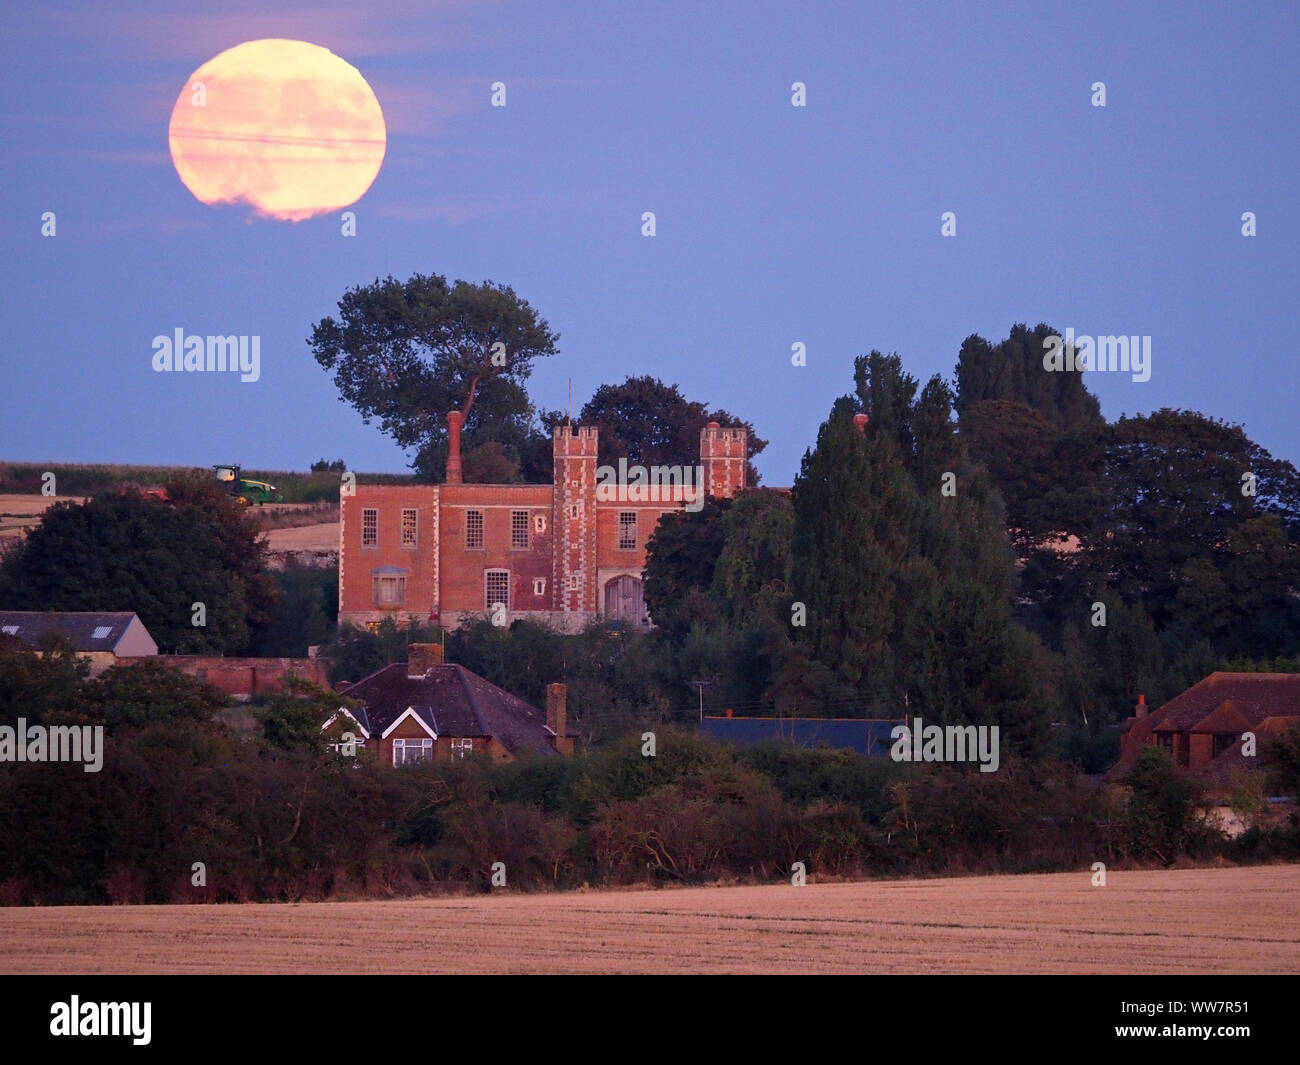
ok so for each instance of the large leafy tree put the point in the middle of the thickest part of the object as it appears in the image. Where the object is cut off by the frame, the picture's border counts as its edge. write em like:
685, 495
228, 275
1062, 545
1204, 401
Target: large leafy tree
651, 423
752, 575
1203, 525
717, 585
123, 552
39, 687
1013, 371
409, 352
305, 610
149, 693
681, 558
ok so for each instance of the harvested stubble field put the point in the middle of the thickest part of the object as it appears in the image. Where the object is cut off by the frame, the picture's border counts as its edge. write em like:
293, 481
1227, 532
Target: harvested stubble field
20, 513
1186, 921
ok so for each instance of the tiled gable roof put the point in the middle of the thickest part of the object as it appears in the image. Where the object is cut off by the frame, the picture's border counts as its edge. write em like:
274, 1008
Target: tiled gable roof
1222, 704
1228, 716
454, 702
1255, 695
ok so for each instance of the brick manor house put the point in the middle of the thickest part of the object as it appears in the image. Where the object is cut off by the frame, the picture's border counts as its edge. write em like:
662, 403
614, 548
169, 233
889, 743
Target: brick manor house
552, 552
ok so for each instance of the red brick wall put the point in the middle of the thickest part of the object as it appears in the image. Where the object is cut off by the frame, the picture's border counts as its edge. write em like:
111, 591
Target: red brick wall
1201, 749
575, 555
464, 569
241, 676
442, 751
356, 596
723, 456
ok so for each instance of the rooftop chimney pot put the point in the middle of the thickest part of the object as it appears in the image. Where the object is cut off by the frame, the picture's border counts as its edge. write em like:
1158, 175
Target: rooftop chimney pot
422, 657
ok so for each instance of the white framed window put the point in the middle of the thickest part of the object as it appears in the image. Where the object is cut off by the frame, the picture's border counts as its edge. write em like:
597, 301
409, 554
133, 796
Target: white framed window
539, 523
575, 510
473, 529
410, 527
369, 527
626, 530
519, 529
573, 582
462, 748
496, 588
539, 586
407, 752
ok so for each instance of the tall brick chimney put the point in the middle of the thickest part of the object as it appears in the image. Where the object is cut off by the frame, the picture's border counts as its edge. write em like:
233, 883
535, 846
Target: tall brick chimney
453, 447
557, 697
421, 657
860, 420
1141, 709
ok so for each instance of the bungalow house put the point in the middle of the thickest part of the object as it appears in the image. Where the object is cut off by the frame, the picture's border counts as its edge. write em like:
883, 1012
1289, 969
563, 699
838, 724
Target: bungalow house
1203, 728
424, 709
103, 638
864, 735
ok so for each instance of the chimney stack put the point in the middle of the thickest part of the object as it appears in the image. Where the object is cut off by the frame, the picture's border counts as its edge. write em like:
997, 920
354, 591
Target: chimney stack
557, 697
453, 447
860, 420
422, 657
1141, 709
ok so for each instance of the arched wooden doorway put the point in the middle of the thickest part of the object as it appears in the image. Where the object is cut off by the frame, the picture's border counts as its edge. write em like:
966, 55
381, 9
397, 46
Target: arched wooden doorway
625, 602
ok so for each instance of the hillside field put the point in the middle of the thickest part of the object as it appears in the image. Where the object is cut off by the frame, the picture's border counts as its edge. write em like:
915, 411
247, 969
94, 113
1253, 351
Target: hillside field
1241, 920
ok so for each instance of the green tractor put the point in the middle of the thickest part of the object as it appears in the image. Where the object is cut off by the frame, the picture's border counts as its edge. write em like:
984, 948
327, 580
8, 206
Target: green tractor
245, 491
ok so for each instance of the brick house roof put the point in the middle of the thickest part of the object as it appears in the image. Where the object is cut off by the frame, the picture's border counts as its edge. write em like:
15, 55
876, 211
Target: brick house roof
453, 702
1251, 697
1229, 716
1222, 704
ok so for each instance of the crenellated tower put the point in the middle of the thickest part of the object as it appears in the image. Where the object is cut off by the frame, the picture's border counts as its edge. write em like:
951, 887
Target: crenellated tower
724, 456
574, 520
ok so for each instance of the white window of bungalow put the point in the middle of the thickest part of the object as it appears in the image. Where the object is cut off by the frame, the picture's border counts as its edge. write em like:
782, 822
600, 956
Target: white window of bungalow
406, 752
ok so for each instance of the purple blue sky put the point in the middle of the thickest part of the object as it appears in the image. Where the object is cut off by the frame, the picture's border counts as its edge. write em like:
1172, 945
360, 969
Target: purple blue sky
775, 224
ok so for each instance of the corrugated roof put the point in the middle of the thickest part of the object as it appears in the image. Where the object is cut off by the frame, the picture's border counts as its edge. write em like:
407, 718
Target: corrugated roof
864, 735
89, 631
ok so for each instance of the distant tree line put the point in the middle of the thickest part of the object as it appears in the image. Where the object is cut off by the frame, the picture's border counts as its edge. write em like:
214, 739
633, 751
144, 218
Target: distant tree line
187, 810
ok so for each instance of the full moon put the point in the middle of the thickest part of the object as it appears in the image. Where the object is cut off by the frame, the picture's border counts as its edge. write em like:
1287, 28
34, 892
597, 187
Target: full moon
285, 126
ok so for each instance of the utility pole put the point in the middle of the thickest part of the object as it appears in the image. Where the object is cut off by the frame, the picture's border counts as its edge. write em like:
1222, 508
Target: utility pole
701, 684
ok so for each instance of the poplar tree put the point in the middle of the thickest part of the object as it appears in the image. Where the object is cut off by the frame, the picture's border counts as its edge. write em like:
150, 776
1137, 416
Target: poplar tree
901, 556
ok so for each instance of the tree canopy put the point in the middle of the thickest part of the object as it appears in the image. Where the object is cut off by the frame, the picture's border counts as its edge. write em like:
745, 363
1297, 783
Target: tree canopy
409, 352
653, 424
124, 552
